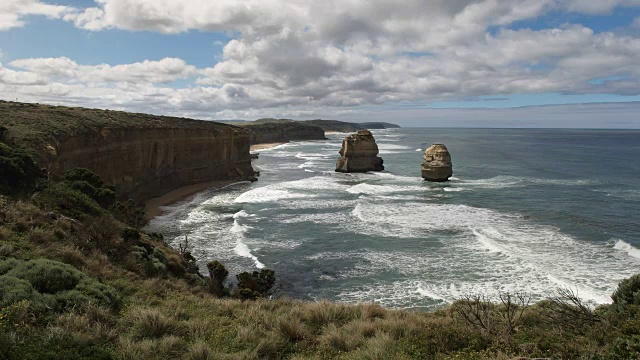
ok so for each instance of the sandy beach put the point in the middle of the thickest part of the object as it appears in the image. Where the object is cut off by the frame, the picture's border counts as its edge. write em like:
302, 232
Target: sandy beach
257, 147
154, 206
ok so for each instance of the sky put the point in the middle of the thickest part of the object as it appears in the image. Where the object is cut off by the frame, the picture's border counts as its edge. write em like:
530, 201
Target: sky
445, 63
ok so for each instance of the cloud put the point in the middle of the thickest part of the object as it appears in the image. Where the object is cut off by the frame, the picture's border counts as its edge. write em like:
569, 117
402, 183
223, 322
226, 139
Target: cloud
13, 12
302, 57
65, 69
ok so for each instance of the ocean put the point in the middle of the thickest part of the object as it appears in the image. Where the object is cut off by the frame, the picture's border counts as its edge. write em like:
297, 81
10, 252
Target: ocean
528, 210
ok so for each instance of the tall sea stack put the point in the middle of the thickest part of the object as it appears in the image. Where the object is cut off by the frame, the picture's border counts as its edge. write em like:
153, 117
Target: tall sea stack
359, 153
437, 165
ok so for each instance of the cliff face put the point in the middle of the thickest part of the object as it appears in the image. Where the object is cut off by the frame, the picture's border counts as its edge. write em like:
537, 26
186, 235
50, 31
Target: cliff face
146, 163
359, 153
143, 155
264, 132
343, 126
335, 125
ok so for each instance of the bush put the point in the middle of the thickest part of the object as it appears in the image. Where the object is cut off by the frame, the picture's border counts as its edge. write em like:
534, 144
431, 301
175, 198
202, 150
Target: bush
90, 184
217, 276
628, 291
18, 171
70, 202
129, 213
152, 259
13, 290
7, 264
627, 347
256, 284
130, 235
84, 175
47, 276
53, 285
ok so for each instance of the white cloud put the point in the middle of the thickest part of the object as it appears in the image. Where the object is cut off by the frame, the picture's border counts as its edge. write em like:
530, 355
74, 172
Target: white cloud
64, 69
300, 57
13, 12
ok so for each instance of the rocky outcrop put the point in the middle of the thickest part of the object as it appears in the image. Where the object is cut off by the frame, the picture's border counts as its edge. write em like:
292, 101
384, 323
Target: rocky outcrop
144, 156
359, 153
437, 164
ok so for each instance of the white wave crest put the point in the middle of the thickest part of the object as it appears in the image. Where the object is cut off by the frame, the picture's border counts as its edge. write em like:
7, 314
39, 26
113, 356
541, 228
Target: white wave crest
628, 248
243, 250
370, 189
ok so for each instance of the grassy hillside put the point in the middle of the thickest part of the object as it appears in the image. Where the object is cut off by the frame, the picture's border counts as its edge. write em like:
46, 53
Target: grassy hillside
79, 280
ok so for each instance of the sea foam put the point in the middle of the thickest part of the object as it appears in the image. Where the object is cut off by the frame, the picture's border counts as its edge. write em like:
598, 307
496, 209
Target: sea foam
628, 248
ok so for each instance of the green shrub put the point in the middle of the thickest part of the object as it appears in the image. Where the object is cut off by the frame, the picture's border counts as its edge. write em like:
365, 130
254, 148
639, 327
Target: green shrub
48, 276
18, 171
152, 259
129, 213
255, 284
13, 290
61, 197
217, 276
84, 175
627, 347
90, 184
7, 264
130, 235
628, 291
55, 285
101, 294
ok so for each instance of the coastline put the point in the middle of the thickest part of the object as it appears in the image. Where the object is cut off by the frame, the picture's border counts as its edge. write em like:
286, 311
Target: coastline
153, 206
257, 147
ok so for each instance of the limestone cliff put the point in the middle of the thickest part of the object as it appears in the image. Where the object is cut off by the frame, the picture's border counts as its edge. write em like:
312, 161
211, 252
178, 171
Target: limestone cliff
437, 165
265, 131
143, 155
359, 153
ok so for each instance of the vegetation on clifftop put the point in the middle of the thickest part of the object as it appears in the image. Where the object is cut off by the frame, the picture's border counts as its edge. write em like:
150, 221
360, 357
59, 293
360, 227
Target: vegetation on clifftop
78, 280
37, 126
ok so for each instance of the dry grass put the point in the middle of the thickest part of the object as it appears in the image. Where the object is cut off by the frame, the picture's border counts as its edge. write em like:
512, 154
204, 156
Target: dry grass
150, 323
174, 317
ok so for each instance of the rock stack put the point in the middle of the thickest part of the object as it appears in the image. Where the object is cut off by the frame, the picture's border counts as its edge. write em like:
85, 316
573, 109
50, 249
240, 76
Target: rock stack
359, 153
437, 164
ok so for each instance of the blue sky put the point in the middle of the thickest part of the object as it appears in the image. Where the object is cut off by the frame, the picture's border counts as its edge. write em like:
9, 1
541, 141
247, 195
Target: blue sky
231, 60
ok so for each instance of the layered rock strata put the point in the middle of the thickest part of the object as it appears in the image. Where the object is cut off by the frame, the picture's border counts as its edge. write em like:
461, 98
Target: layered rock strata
144, 156
282, 132
437, 165
359, 153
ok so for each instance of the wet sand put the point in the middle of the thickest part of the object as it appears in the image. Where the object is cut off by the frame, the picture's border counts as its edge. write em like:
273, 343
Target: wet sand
154, 206
257, 147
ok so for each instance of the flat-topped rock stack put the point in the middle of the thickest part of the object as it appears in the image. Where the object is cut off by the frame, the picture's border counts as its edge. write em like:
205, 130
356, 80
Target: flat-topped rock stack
437, 165
359, 153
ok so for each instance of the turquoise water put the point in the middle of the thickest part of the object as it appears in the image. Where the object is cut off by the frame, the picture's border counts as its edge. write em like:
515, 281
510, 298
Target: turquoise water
527, 210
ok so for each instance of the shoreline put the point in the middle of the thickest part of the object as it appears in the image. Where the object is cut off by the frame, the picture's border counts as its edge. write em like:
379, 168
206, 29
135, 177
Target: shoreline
257, 147
153, 206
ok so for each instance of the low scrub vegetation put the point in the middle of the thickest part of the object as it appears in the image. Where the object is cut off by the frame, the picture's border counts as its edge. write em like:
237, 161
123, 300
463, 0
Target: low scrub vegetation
80, 280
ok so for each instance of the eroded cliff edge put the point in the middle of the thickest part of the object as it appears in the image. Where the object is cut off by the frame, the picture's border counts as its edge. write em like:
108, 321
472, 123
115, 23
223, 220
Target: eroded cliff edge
144, 156
265, 131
